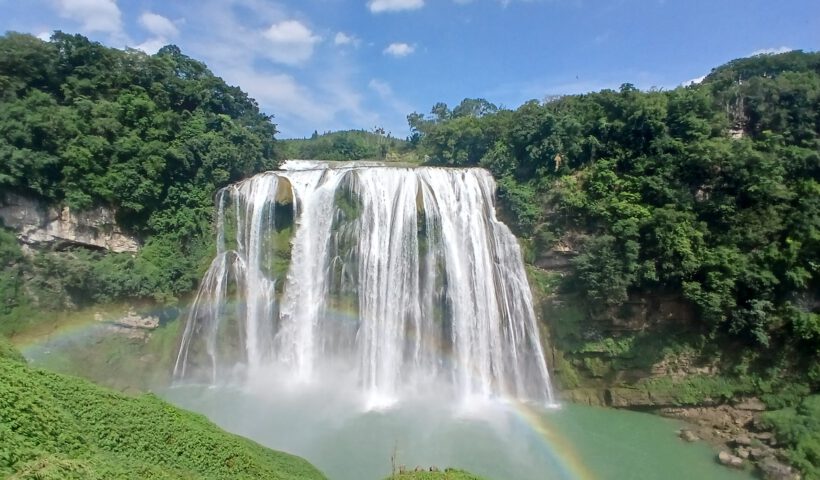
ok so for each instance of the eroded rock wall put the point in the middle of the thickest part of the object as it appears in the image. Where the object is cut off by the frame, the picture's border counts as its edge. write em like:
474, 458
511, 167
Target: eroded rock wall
39, 225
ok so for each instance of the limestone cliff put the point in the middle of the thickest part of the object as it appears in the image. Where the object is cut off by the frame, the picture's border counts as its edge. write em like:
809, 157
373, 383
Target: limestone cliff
40, 225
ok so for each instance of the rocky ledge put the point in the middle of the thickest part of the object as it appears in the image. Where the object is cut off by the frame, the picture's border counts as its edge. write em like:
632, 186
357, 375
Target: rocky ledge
38, 224
736, 431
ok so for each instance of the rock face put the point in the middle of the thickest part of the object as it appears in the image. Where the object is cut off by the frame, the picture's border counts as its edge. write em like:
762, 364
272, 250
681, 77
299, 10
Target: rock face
131, 324
774, 470
38, 224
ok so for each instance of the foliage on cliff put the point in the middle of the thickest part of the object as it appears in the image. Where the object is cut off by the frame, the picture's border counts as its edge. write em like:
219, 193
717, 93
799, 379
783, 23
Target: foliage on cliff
152, 136
710, 191
53, 426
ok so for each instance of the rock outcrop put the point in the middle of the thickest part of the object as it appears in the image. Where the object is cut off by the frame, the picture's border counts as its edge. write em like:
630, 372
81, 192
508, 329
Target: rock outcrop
40, 225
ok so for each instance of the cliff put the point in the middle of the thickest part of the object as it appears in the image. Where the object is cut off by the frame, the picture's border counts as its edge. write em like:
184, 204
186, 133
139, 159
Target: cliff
45, 226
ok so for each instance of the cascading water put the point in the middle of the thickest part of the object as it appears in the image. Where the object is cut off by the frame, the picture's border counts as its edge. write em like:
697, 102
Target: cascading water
402, 276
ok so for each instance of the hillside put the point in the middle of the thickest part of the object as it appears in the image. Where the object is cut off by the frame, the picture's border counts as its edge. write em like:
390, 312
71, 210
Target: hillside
55, 426
146, 139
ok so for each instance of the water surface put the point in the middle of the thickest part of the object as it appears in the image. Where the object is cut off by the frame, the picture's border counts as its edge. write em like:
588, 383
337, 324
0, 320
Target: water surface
499, 440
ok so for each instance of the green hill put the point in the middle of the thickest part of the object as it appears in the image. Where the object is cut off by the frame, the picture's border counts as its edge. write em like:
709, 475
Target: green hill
54, 426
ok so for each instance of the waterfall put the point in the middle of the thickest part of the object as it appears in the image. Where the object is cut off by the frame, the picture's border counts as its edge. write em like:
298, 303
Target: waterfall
402, 277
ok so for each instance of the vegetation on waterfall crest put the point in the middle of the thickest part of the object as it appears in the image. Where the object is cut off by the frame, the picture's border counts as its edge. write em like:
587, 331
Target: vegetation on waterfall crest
345, 145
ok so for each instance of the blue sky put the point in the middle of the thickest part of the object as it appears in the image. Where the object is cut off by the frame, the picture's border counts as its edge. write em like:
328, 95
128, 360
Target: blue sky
337, 64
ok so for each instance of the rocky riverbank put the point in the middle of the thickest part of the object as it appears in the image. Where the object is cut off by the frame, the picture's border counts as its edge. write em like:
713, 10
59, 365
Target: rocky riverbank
650, 355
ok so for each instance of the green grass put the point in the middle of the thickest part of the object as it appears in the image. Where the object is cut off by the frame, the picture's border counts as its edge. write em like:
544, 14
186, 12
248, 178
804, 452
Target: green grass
8, 352
448, 474
799, 429
54, 426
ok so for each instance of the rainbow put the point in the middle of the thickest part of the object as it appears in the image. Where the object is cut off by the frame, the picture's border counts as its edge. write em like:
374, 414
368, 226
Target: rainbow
562, 452
535, 419
73, 329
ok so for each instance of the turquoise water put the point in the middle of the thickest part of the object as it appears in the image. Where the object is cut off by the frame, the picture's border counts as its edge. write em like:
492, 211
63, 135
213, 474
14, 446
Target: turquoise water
501, 441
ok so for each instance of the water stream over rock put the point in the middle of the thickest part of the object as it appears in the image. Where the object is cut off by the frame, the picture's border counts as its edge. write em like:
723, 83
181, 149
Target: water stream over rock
400, 279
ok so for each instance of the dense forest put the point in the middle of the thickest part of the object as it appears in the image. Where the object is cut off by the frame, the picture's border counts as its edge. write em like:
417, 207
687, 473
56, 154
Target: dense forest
709, 190
151, 136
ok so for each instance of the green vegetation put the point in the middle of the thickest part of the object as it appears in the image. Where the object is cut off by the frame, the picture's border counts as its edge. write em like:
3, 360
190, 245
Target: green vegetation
151, 136
448, 474
799, 429
709, 192
346, 145
53, 426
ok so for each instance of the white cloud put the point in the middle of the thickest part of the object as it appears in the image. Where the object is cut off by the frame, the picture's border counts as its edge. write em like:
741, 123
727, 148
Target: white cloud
325, 94
93, 15
694, 81
161, 29
158, 25
399, 49
771, 51
378, 6
152, 45
386, 94
342, 38
291, 42
44, 36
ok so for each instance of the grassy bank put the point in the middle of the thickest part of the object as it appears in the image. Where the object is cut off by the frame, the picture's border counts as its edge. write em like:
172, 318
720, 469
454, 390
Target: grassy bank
55, 426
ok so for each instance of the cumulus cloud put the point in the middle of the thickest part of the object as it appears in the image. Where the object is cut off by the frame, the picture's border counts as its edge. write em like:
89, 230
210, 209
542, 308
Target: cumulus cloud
158, 25
342, 38
102, 16
291, 42
399, 49
772, 51
162, 30
152, 45
378, 6
324, 94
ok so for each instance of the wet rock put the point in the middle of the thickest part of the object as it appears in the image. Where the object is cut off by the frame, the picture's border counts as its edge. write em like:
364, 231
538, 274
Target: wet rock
759, 453
726, 458
742, 452
628, 397
742, 440
764, 436
774, 470
688, 435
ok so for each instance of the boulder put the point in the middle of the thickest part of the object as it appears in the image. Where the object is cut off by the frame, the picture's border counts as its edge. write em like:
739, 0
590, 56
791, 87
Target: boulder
688, 435
726, 458
774, 470
742, 440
